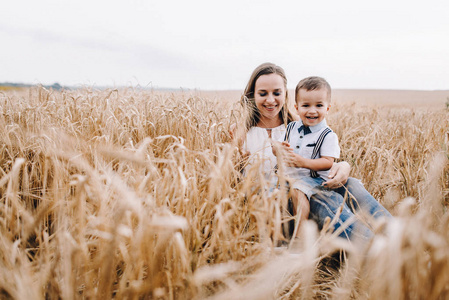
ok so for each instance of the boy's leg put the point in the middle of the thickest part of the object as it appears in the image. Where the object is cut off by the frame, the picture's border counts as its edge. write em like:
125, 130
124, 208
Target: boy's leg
326, 203
364, 202
301, 209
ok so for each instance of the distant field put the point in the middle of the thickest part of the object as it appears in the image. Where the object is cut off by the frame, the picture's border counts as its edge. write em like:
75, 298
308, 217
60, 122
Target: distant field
385, 98
9, 88
393, 98
377, 98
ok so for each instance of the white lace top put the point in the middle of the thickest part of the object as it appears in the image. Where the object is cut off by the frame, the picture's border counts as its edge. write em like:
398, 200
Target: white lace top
258, 144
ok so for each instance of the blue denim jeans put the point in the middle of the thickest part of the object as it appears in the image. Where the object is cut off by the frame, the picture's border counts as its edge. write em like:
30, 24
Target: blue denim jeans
325, 203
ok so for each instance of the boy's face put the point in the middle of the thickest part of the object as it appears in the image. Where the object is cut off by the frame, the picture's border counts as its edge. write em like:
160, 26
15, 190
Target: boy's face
312, 106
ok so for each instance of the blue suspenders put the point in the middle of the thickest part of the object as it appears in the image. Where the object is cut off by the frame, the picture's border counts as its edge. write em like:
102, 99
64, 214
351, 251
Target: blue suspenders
316, 149
287, 132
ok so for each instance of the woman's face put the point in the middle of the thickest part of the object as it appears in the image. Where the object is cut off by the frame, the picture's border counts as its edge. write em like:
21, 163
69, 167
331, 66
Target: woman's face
269, 95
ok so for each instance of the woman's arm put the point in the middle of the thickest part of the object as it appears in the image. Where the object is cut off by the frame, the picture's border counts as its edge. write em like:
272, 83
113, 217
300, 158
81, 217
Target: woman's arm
338, 175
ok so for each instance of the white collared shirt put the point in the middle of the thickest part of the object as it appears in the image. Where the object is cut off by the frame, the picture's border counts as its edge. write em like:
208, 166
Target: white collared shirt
304, 144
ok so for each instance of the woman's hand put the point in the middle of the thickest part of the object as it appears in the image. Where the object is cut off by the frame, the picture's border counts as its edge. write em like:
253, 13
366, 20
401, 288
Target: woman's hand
338, 175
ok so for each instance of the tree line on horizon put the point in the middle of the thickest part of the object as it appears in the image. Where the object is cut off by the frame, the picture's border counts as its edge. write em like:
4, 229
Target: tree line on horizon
55, 86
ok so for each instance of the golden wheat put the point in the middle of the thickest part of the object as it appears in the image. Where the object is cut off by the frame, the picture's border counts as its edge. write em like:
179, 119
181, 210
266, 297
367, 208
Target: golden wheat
137, 194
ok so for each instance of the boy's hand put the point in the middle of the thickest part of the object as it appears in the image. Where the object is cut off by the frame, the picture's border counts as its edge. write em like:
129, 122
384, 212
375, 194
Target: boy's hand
286, 144
292, 159
295, 160
275, 146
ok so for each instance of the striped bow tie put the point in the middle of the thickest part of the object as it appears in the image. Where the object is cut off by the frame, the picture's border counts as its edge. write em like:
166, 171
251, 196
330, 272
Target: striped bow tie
305, 128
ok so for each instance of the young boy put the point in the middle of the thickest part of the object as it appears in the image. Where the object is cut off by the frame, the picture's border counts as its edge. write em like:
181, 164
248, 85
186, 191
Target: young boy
310, 147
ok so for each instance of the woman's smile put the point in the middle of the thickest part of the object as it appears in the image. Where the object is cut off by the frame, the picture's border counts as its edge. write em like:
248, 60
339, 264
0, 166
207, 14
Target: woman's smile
269, 96
271, 107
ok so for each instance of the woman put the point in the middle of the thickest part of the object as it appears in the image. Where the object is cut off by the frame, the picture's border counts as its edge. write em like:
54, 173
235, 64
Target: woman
266, 100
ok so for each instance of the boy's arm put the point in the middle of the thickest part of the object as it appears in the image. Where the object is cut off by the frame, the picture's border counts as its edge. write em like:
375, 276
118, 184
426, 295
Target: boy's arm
320, 164
329, 150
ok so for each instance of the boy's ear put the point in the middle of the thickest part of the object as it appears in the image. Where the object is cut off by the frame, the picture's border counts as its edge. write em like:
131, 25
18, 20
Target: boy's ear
296, 106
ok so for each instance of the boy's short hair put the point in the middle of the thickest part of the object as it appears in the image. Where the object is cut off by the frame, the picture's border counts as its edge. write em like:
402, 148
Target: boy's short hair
313, 83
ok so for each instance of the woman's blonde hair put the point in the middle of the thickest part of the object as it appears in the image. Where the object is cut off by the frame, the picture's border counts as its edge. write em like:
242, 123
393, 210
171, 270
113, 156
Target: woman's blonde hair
249, 103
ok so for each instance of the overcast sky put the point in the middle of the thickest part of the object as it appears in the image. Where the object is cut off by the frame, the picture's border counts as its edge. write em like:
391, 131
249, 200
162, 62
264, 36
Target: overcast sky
208, 44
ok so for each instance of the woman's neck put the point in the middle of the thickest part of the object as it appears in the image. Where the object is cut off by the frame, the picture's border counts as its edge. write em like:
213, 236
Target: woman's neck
269, 123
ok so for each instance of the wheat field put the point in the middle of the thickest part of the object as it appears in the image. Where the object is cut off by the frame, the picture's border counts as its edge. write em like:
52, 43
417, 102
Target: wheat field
137, 194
